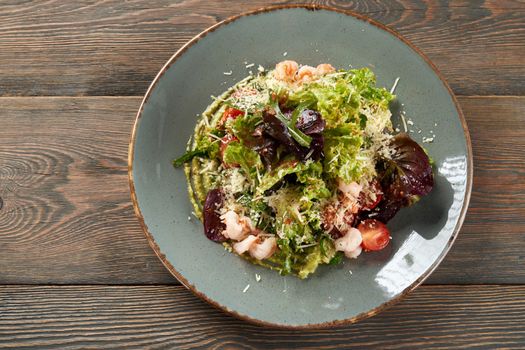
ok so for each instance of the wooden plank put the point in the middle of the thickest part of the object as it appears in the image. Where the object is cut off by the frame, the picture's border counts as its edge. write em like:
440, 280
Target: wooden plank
116, 48
72, 317
67, 216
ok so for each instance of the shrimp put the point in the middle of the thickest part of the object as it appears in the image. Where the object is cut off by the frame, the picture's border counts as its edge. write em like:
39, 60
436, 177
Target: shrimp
353, 188
325, 68
350, 242
306, 73
236, 227
286, 70
244, 245
264, 250
354, 253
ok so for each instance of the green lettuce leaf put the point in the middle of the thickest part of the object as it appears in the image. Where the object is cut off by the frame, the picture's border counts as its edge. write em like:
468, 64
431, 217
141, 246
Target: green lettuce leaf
308, 173
312, 179
243, 127
341, 151
339, 97
247, 159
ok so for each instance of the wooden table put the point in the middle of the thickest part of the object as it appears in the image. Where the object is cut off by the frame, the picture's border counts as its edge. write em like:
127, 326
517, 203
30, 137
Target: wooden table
75, 268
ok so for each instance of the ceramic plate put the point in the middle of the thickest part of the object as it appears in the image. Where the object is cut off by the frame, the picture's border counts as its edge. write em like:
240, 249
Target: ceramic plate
357, 288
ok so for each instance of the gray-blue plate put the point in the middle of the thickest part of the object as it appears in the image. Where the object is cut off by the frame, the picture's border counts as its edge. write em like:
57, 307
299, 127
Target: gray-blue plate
358, 288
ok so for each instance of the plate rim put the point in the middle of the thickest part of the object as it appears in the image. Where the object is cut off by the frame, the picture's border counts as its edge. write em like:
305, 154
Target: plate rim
326, 324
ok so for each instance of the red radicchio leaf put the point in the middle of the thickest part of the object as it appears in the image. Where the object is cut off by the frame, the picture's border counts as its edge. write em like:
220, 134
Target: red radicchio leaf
412, 169
406, 176
279, 131
310, 122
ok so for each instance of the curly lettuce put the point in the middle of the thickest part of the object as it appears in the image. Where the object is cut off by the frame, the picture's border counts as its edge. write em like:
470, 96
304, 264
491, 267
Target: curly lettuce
339, 97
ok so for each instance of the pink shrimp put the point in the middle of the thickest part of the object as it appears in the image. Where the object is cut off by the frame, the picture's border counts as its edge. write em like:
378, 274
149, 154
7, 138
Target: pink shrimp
306, 73
264, 250
245, 245
286, 70
237, 227
325, 68
350, 243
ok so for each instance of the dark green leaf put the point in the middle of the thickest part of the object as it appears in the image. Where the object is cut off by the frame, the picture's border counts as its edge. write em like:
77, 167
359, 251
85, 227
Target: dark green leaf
337, 259
188, 156
362, 121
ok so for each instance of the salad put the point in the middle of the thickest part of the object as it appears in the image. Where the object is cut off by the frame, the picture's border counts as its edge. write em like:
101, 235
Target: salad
300, 166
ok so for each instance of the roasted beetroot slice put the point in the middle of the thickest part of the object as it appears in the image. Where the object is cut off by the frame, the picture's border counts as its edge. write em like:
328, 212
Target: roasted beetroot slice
213, 226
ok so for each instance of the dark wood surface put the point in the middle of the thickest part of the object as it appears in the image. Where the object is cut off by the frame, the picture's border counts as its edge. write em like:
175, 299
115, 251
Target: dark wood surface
116, 48
71, 77
137, 317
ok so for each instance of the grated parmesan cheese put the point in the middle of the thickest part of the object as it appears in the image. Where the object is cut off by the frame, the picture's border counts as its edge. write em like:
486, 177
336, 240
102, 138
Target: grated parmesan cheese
394, 86
234, 181
228, 73
246, 288
404, 122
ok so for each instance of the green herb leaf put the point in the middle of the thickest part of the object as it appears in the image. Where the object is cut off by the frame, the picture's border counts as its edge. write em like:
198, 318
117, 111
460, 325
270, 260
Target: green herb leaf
188, 156
301, 138
362, 121
337, 259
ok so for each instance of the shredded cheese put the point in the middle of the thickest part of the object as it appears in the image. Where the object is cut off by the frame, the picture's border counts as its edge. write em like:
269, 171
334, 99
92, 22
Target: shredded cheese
394, 86
404, 122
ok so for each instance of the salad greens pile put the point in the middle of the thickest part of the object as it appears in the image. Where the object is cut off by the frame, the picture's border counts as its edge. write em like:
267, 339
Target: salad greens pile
276, 152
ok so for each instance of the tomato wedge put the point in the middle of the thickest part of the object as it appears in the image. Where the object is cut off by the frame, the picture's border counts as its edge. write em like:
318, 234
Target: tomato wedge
230, 113
375, 234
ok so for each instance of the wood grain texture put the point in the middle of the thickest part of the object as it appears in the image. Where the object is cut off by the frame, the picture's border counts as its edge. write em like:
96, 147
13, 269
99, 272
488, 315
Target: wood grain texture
158, 317
67, 216
112, 47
